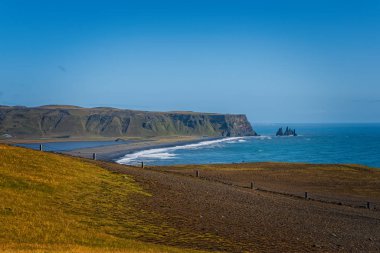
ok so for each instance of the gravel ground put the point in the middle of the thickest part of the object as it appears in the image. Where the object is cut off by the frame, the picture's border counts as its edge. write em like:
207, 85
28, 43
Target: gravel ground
250, 220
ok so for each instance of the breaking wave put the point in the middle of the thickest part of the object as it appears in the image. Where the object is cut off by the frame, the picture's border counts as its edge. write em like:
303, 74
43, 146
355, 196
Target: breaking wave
167, 153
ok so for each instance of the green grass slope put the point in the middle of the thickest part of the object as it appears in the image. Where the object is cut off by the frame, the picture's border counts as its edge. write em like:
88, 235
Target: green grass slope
69, 121
51, 202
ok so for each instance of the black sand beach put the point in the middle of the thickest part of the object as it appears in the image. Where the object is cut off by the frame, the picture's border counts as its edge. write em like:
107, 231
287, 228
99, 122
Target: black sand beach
113, 152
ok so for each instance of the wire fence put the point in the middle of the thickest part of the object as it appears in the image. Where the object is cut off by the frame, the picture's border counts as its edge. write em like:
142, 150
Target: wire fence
305, 195
87, 155
345, 201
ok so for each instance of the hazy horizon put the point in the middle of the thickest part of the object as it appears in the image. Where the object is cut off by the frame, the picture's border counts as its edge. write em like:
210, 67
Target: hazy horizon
300, 62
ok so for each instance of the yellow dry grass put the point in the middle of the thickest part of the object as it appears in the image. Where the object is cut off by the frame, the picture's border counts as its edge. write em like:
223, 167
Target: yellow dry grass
55, 203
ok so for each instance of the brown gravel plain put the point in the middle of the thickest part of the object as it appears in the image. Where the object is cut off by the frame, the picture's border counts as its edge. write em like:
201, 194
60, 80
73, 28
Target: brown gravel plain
273, 218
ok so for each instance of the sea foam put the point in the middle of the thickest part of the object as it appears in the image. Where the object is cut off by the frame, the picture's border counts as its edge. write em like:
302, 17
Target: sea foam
167, 153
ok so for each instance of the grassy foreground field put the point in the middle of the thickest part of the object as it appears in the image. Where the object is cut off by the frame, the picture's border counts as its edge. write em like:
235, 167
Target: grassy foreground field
344, 183
52, 202
220, 201
58, 203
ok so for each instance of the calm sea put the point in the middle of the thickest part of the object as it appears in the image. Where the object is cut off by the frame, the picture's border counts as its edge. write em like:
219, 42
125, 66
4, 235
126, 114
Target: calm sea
316, 143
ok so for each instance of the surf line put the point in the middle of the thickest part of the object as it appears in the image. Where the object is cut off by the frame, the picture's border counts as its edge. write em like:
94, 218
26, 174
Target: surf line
165, 153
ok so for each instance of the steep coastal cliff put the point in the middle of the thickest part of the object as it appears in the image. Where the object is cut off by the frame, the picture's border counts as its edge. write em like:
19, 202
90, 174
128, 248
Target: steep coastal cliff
71, 121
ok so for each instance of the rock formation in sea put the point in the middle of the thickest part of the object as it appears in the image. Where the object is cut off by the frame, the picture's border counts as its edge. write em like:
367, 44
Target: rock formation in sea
288, 132
72, 121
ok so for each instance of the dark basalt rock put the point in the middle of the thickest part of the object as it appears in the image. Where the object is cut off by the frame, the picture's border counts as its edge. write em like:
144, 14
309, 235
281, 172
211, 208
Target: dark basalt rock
280, 132
288, 132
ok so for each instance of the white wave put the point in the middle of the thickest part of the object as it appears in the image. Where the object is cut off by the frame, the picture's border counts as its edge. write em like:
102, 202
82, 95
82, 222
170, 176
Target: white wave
235, 141
164, 153
263, 137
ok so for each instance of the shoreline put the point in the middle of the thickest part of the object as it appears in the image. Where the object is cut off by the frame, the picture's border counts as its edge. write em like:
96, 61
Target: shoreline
113, 152
116, 149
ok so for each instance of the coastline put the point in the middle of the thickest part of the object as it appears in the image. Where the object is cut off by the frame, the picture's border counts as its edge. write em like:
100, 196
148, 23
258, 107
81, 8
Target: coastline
315, 144
113, 152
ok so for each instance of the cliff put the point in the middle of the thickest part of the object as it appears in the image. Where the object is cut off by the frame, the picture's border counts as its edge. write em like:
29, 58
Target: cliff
72, 121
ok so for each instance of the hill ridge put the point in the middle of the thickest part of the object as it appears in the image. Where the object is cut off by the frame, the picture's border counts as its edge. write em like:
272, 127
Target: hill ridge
73, 121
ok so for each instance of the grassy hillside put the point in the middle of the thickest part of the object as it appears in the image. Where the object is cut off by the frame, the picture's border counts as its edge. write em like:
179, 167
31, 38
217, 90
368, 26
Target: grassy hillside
52, 202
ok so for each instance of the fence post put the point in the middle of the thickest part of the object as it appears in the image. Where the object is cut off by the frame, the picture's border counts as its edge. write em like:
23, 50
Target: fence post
252, 185
94, 156
306, 195
368, 205
142, 165
197, 173
40, 147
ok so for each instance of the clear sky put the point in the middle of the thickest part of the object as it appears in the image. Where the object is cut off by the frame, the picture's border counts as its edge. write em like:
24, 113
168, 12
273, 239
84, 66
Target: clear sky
276, 61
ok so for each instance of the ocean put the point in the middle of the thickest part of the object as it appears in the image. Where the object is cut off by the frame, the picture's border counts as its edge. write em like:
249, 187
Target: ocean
315, 143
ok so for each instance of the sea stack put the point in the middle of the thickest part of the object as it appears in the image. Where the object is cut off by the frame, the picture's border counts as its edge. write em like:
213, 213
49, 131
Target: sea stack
288, 132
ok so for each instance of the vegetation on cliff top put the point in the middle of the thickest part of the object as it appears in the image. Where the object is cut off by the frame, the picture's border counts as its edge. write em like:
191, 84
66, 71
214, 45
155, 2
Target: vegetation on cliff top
58, 121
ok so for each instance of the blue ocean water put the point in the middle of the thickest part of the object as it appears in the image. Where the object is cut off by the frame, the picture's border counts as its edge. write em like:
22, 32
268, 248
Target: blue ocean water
316, 143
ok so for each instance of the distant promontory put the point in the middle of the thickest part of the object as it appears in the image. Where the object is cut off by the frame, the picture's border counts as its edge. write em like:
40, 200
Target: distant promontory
58, 121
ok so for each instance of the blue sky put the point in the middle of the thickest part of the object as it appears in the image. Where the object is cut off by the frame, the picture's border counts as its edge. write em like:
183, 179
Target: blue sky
276, 61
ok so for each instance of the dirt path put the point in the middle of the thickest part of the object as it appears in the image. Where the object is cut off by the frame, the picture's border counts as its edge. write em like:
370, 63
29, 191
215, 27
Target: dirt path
253, 221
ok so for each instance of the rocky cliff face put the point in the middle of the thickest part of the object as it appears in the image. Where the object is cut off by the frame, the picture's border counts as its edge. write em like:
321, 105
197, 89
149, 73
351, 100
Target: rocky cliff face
70, 121
288, 132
